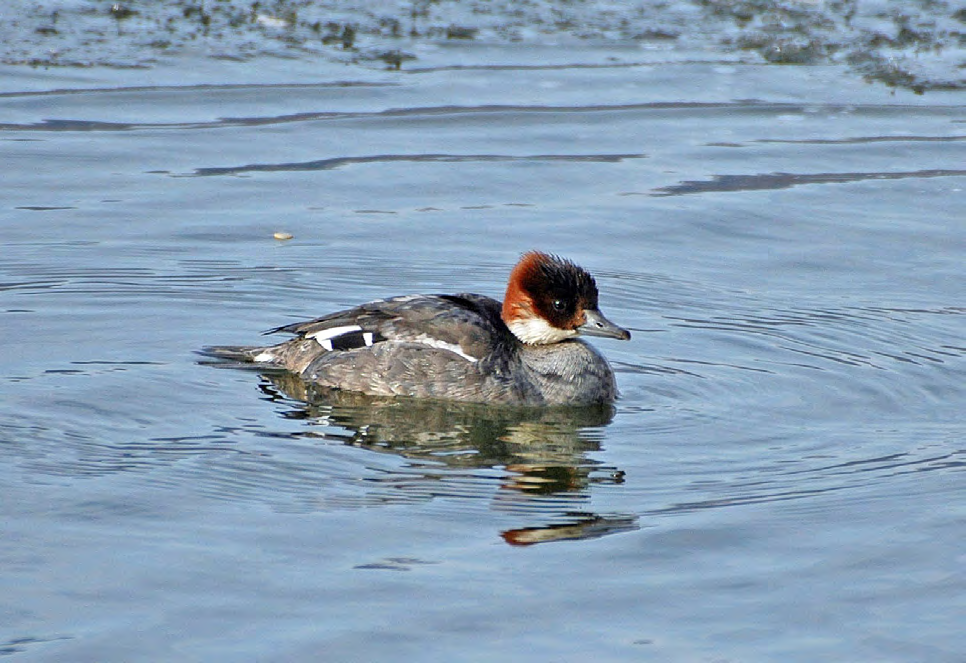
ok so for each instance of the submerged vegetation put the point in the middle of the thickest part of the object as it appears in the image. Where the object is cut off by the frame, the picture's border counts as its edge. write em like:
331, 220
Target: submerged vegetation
913, 44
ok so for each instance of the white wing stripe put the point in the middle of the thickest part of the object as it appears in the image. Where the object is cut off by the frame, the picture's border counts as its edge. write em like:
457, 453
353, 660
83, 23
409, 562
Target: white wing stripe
441, 345
327, 334
324, 338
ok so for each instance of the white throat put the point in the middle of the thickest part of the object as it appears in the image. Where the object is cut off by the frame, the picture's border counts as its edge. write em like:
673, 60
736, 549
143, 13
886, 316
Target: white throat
537, 331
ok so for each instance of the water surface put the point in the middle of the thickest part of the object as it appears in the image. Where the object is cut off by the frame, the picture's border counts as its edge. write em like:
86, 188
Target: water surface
782, 477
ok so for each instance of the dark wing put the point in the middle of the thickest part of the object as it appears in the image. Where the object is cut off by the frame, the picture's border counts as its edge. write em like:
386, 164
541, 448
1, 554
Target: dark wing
466, 323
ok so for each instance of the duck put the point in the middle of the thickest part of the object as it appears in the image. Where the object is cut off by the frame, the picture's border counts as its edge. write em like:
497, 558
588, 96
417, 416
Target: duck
528, 350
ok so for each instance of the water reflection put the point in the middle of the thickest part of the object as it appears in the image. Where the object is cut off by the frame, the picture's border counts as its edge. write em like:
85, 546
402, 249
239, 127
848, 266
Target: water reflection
548, 473
777, 181
340, 162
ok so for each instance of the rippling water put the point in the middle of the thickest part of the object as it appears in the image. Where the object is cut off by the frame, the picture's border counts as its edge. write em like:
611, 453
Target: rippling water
782, 477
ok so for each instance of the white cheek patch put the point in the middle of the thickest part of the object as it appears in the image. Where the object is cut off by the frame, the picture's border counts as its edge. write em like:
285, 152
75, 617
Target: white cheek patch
537, 331
325, 336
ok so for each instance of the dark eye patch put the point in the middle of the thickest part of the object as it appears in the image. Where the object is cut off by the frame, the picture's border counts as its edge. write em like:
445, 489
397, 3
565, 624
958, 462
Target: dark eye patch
559, 309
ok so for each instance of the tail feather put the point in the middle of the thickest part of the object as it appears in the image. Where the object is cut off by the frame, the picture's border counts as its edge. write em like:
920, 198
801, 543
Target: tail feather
240, 353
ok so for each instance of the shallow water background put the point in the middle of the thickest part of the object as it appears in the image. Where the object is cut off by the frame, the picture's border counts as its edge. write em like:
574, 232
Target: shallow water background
782, 478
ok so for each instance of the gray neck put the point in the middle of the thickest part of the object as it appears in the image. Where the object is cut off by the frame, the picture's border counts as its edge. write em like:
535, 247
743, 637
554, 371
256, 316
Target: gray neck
570, 372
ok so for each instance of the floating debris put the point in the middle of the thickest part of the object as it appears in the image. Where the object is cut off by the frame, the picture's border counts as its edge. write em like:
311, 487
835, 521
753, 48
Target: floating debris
271, 21
283, 236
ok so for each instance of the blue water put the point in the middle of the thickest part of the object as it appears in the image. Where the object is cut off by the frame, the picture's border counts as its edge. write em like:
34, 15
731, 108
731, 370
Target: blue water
782, 478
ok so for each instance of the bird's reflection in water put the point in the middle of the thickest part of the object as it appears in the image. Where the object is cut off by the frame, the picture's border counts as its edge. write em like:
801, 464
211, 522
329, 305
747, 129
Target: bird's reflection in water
543, 451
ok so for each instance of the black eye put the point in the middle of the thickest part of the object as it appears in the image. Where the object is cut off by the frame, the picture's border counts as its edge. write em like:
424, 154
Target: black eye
559, 305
